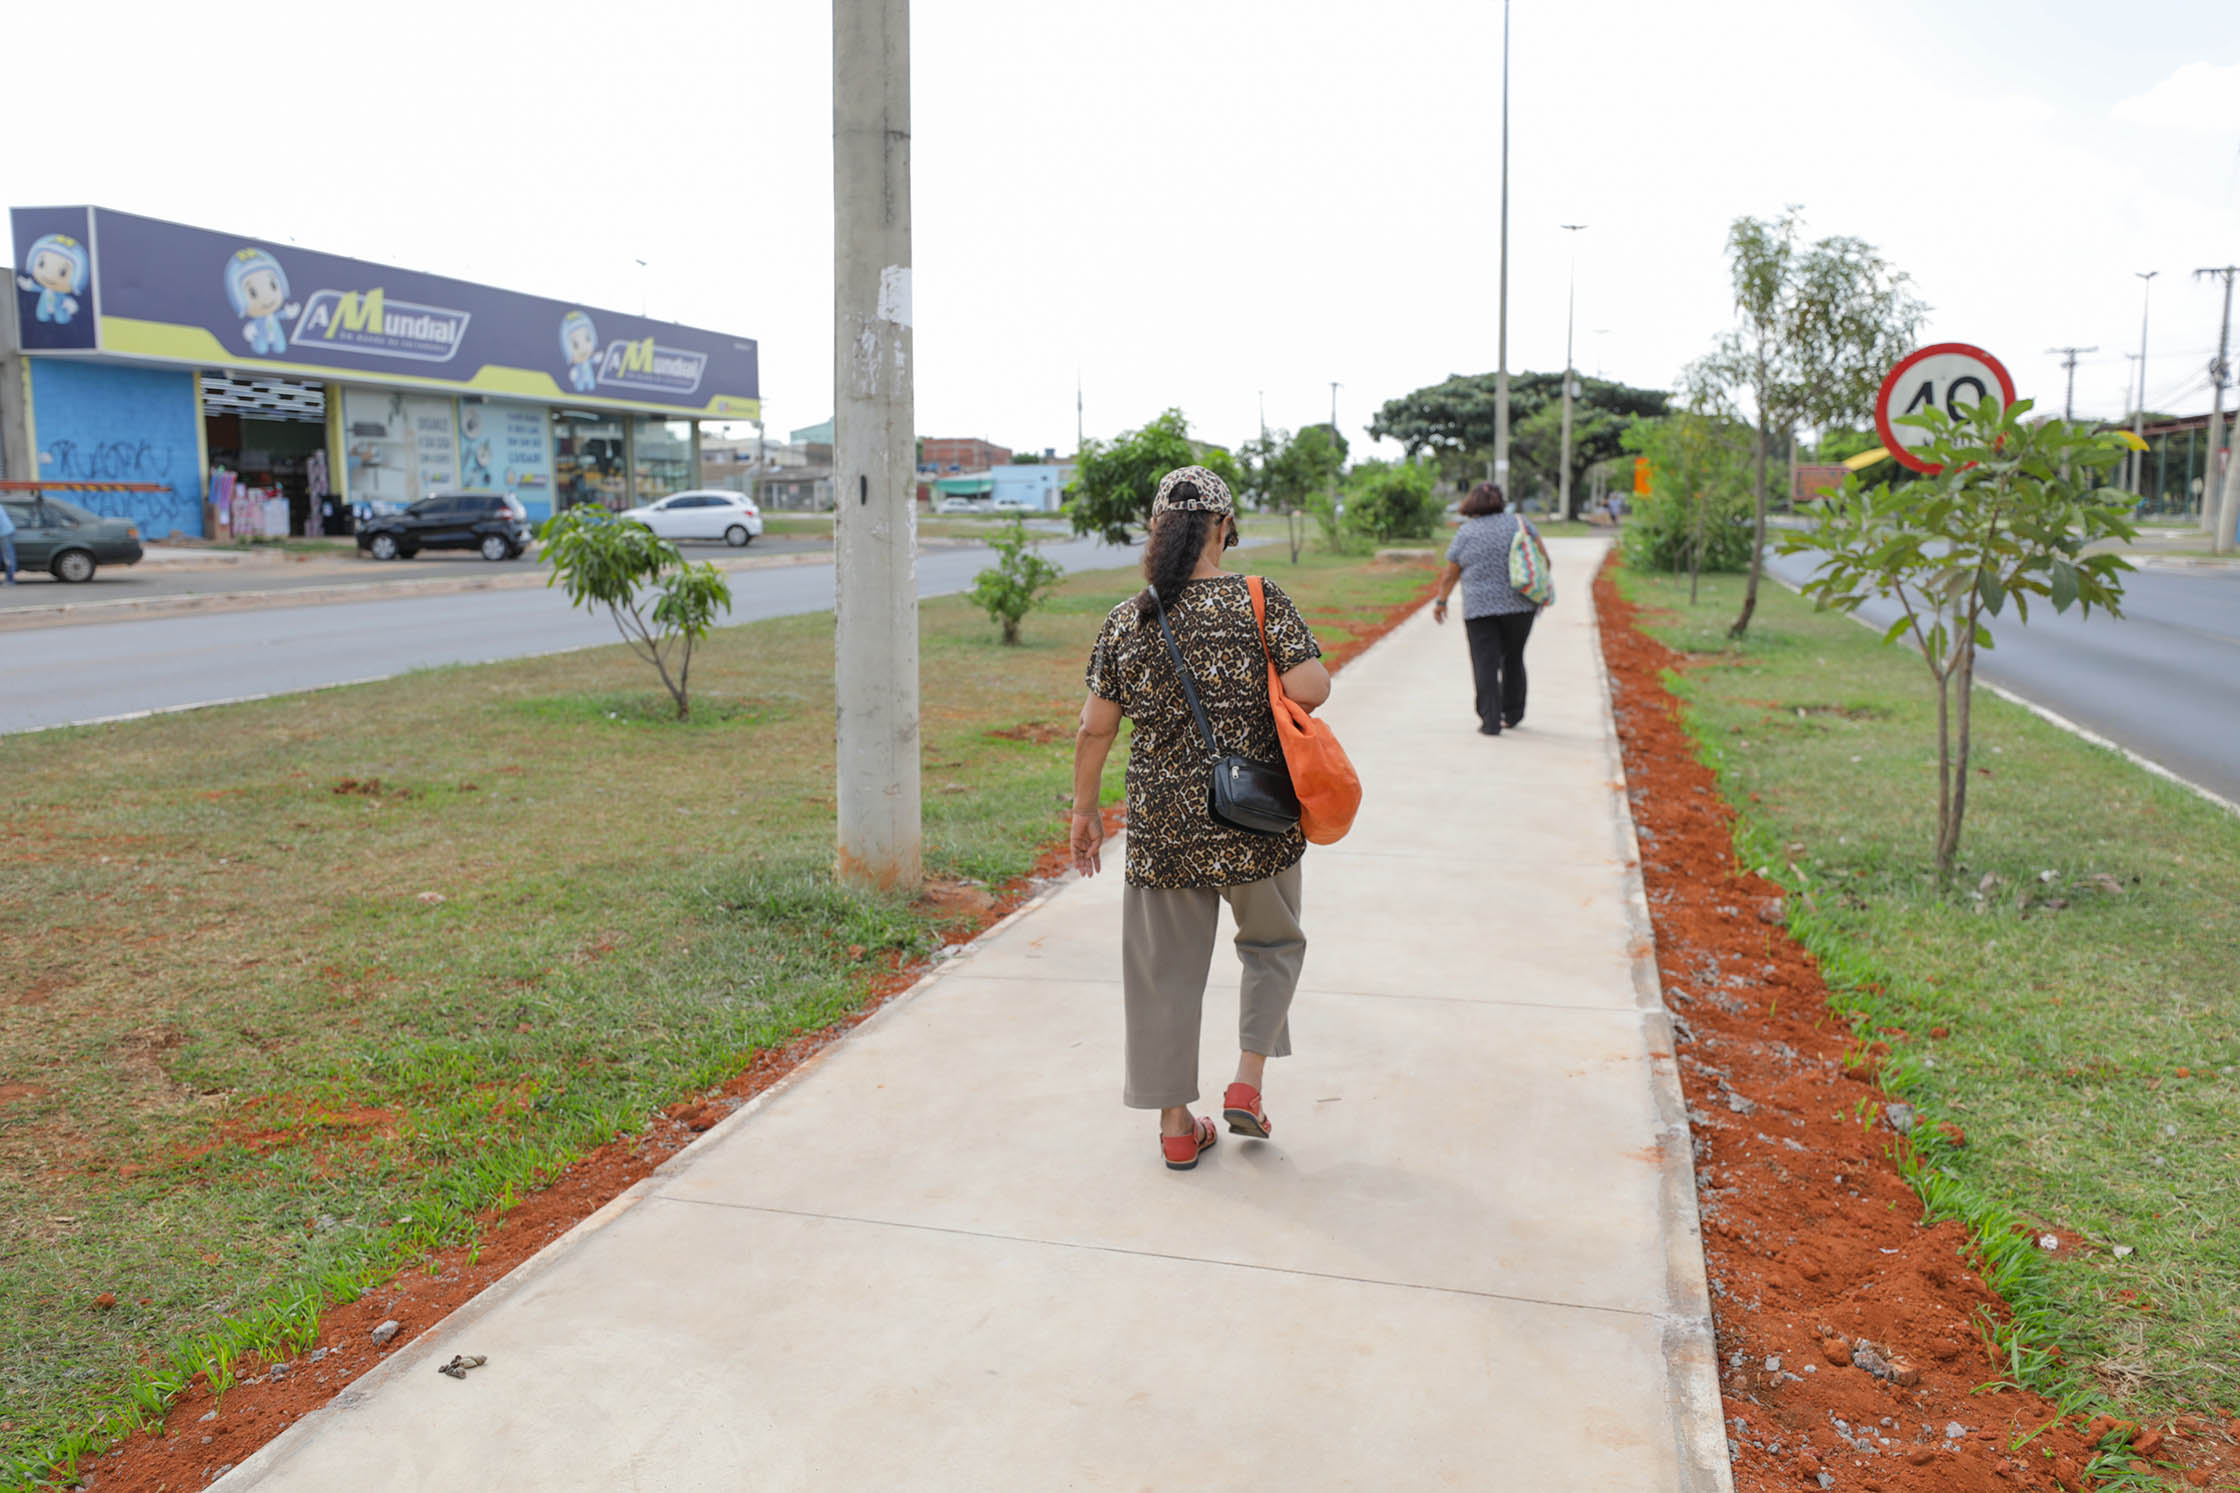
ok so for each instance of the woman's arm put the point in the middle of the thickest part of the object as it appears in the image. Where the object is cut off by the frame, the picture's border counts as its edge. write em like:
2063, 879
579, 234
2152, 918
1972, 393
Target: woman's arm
1447, 579
1307, 685
1092, 744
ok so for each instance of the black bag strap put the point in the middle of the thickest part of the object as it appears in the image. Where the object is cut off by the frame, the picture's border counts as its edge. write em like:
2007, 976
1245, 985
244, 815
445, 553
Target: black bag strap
1189, 689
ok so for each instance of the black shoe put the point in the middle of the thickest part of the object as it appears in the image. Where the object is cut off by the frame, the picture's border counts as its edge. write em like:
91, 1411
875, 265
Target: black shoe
1489, 730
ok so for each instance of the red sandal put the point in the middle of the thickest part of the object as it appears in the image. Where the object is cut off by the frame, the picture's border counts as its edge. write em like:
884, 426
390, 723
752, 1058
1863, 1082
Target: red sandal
1182, 1151
1240, 1106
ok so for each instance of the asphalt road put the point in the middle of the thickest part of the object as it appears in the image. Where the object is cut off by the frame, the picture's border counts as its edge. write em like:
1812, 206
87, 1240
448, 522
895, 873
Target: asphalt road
2163, 679
101, 670
158, 578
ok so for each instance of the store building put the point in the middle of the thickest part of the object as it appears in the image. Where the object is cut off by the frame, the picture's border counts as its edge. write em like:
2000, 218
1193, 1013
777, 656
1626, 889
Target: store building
152, 352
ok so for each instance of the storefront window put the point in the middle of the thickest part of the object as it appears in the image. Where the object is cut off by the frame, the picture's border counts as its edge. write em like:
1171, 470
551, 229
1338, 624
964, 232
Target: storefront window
504, 448
400, 447
664, 457
587, 461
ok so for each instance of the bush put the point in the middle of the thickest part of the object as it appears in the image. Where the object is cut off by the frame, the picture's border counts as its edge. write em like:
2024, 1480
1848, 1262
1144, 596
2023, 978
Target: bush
1696, 515
1388, 500
1017, 583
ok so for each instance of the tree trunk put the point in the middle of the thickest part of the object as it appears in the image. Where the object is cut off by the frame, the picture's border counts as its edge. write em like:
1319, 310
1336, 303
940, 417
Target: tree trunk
1758, 537
1944, 779
1695, 546
1965, 676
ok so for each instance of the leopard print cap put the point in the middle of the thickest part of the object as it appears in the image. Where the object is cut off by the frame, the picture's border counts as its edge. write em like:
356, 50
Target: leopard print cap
1213, 494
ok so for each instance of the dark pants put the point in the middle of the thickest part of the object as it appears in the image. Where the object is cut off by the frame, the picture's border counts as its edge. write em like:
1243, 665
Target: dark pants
1497, 662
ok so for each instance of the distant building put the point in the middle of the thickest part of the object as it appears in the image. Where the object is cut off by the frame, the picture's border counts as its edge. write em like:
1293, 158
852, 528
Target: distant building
1040, 488
948, 455
2172, 468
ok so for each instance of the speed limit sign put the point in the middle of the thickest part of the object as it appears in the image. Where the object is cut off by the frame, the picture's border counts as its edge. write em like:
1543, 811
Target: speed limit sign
1949, 376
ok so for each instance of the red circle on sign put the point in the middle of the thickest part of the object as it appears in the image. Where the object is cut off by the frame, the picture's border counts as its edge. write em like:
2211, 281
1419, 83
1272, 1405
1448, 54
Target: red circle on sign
1890, 380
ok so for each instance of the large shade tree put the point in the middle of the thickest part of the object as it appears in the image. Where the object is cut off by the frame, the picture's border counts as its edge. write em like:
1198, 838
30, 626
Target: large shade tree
1453, 422
1818, 325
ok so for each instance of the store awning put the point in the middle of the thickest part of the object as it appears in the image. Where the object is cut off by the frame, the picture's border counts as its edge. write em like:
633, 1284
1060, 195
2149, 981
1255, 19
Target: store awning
965, 487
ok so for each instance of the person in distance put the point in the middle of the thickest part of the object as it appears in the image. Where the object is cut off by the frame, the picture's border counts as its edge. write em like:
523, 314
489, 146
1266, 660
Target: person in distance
1496, 617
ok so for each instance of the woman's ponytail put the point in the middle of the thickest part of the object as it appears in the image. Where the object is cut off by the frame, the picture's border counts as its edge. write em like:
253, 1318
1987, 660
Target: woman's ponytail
1177, 538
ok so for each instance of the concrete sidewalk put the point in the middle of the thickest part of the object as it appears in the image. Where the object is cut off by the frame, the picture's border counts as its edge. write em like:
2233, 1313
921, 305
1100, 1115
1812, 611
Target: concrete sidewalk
943, 1257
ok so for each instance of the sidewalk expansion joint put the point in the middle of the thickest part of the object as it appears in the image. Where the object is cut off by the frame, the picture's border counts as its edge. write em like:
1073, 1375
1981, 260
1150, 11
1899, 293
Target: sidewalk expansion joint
1633, 1313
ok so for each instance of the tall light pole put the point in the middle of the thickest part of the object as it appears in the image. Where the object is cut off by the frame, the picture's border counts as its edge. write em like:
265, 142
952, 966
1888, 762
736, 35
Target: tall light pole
1570, 305
2139, 410
2219, 371
875, 602
1501, 374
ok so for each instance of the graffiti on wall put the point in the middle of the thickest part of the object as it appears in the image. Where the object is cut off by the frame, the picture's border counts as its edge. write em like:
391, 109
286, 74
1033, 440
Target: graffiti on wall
132, 460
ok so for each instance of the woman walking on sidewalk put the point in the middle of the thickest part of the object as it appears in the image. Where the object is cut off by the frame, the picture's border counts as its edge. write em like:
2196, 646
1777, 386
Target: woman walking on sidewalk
1182, 863
1497, 618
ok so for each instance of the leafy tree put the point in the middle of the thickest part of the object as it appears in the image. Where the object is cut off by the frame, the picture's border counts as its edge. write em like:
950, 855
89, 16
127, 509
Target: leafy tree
1695, 514
1820, 326
1388, 500
1287, 472
1454, 422
601, 560
1114, 483
2008, 517
1017, 583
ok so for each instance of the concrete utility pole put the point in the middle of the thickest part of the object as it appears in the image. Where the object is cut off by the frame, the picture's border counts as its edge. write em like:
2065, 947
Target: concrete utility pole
1570, 306
2139, 411
2219, 371
1079, 441
2068, 356
18, 463
1501, 374
874, 455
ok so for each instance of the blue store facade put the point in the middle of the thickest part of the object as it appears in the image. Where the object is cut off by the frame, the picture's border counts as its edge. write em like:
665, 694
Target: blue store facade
157, 353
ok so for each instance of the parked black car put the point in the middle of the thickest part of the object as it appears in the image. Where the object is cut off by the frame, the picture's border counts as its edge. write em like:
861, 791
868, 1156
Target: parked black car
494, 523
67, 541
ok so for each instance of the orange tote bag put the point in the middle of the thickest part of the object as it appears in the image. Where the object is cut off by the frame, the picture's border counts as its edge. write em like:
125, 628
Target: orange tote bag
1329, 790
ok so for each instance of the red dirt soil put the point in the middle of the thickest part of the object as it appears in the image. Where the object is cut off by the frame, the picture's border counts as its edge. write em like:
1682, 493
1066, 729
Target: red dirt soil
188, 1453
1812, 1240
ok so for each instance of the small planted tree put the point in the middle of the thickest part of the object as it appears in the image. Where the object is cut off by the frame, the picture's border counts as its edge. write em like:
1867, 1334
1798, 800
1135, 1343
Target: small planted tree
1017, 583
2007, 517
1696, 515
1389, 500
661, 605
1114, 481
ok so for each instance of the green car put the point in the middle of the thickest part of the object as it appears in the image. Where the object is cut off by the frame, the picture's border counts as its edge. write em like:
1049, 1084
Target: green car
67, 541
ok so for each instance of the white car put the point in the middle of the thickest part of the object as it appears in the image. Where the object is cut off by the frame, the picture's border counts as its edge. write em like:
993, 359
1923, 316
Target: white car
707, 513
961, 505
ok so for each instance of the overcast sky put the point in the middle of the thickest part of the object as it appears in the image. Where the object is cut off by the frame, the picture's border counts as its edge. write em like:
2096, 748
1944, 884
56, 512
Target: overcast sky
1194, 201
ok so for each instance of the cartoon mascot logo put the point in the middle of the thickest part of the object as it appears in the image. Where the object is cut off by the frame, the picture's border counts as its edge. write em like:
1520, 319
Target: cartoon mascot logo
258, 288
57, 268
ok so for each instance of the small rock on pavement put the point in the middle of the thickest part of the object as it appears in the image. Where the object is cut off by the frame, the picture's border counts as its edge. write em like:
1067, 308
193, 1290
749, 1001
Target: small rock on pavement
384, 1332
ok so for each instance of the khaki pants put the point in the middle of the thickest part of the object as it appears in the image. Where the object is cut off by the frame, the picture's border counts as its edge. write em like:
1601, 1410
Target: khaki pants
1166, 952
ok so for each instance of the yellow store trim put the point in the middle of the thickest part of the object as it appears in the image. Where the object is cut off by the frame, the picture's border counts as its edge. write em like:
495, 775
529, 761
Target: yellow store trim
170, 343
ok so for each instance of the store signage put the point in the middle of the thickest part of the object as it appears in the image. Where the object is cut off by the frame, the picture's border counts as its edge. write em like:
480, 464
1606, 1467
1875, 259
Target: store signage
370, 323
93, 280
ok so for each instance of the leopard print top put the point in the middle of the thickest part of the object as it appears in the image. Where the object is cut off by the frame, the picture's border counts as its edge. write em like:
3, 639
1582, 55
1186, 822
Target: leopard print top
1172, 841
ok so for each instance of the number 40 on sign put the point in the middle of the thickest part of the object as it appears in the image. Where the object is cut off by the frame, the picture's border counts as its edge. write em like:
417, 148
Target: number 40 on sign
1949, 376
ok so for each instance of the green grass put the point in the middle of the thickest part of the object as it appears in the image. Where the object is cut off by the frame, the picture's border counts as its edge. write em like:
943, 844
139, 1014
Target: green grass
299, 986
2068, 1024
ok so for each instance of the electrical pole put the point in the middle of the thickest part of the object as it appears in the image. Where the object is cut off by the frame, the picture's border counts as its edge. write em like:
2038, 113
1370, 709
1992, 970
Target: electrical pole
2068, 356
2139, 411
1501, 374
2219, 371
1340, 461
1570, 306
1078, 440
875, 604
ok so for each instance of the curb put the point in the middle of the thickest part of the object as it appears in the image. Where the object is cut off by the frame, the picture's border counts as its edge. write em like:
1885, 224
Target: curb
63, 614
1691, 1350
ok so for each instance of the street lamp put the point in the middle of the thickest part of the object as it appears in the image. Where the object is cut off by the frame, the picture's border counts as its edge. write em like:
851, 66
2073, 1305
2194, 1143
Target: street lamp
1570, 300
1501, 375
2139, 410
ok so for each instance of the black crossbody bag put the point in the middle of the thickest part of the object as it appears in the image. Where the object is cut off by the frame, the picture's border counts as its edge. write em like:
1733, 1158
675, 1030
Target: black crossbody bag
1255, 797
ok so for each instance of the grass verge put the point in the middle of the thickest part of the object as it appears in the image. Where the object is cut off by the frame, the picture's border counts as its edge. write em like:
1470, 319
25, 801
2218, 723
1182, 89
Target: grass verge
291, 990
2068, 1004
